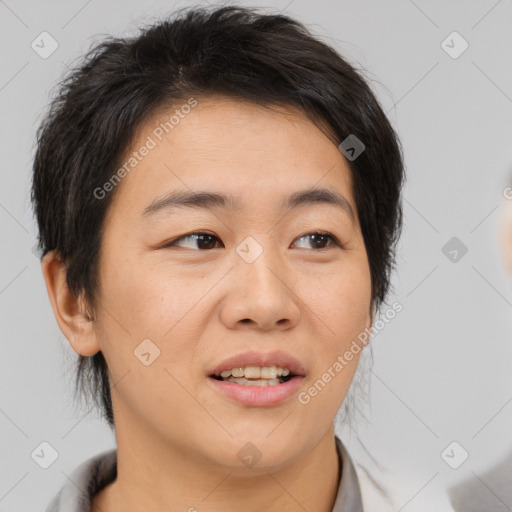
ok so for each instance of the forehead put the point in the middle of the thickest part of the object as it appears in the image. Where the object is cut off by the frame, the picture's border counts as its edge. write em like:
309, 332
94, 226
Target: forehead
234, 147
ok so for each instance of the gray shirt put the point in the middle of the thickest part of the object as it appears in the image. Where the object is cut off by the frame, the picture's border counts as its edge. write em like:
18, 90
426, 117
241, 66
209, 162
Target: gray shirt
491, 490
99, 471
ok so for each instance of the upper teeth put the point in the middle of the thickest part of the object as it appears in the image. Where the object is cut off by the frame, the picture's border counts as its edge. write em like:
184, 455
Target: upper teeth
256, 372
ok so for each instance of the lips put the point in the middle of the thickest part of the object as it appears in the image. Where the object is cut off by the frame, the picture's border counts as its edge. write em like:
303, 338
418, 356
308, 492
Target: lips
253, 358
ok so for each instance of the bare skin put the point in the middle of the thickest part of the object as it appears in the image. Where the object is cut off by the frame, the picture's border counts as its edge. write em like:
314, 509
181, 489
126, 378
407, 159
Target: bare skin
177, 437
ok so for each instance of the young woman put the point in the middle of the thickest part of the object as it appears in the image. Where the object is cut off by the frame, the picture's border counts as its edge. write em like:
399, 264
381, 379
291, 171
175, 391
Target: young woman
218, 201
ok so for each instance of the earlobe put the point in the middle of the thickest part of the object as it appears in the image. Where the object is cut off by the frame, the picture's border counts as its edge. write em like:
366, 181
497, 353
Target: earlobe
69, 311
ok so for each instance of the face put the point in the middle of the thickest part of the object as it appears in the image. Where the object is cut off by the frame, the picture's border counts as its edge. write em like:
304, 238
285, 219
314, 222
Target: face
208, 281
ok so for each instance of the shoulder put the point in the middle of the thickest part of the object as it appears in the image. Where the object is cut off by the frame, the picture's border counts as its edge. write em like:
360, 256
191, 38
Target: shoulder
84, 482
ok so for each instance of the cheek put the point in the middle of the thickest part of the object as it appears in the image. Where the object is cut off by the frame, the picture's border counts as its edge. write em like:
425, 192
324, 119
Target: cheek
145, 302
340, 301
143, 313
146, 299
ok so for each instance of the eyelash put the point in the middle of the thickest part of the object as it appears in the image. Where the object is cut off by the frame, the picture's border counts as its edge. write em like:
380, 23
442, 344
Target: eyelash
334, 240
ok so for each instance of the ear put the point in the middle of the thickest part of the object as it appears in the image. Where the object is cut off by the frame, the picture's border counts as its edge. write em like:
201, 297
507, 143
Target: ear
506, 235
369, 323
70, 311
371, 314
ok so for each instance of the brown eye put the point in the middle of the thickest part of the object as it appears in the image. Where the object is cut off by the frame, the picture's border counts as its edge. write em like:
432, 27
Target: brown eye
319, 239
204, 241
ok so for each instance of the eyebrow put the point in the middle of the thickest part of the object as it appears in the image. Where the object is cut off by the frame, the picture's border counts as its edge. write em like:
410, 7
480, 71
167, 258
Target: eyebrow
208, 200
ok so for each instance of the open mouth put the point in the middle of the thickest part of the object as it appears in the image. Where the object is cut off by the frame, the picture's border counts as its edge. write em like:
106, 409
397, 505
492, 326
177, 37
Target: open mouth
256, 376
268, 385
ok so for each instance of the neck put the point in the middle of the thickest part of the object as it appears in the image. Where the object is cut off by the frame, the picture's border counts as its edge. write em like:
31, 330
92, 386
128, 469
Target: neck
170, 477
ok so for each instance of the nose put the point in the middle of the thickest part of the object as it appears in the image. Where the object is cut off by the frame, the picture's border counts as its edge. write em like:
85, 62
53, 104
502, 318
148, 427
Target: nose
261, 295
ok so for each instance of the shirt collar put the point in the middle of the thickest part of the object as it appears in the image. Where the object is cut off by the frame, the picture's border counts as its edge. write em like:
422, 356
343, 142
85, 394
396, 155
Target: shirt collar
348, 498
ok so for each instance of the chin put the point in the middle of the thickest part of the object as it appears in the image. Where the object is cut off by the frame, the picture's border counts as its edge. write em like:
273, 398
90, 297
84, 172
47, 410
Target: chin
258, 449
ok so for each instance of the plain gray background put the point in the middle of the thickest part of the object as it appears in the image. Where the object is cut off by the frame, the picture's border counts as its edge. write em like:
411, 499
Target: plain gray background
441, 369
